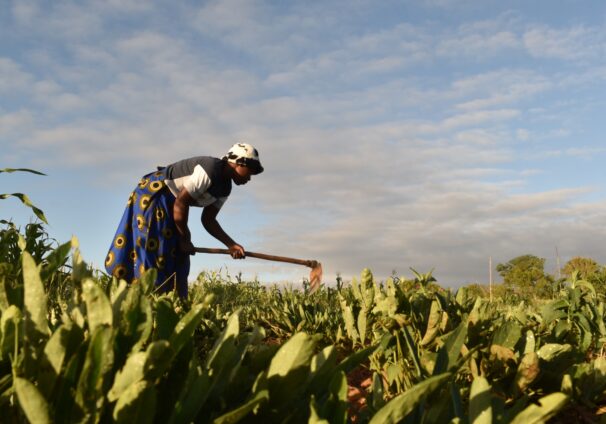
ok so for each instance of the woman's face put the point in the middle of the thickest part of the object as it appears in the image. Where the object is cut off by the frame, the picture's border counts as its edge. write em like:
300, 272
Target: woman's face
241, 174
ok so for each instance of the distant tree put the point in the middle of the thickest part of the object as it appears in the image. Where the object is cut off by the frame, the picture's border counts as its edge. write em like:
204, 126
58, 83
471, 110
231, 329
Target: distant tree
589, 270
526, 276
586, 267
478, 290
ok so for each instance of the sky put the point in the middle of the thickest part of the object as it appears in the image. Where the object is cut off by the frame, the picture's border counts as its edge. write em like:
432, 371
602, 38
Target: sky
432, 134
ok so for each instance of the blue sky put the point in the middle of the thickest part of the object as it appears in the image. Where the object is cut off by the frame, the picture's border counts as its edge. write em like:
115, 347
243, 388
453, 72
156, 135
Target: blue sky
394, 134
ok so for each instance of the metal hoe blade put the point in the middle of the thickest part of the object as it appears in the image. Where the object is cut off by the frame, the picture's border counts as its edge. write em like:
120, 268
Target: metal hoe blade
315, 276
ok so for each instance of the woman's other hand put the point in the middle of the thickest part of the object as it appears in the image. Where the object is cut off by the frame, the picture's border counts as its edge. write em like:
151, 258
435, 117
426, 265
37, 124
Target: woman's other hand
236, 251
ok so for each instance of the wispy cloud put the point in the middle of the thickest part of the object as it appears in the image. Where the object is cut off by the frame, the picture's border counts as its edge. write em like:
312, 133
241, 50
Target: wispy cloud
578, 42
12, 76
582, 152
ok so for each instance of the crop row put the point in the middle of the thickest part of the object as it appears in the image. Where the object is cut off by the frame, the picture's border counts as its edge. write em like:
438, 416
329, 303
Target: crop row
76, 346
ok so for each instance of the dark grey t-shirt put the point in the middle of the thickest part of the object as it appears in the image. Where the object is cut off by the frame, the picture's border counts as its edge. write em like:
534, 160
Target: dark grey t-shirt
202, 177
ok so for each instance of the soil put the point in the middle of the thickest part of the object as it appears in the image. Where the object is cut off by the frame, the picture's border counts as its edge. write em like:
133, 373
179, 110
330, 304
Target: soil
358, 382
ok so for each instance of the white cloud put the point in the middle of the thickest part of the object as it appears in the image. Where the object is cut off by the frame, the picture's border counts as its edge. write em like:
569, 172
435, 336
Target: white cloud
479, 117
574, 43
500, 87
579, 152
12, 77
522, 134
478, 46
24, 12
387, 146
14, 122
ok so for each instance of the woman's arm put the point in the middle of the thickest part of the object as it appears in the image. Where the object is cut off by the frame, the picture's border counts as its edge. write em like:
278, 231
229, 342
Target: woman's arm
180, 215
209, 221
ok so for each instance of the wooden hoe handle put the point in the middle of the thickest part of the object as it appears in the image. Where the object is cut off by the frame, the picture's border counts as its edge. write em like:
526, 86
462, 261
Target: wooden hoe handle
309, 263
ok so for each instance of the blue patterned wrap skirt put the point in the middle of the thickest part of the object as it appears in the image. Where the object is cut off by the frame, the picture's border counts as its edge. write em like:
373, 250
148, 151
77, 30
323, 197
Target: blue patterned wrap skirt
147, 238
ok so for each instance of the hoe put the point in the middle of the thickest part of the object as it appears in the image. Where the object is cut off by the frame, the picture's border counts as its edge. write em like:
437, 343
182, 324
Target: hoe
315, 276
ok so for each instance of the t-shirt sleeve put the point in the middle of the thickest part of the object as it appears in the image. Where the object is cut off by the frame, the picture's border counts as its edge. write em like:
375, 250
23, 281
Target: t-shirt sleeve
220, 202
197, 183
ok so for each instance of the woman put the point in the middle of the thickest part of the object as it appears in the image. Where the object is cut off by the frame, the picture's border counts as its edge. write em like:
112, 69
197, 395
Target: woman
153, 232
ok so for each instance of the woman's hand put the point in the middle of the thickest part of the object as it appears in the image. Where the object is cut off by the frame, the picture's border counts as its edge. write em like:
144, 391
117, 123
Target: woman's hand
186, 246
236, 251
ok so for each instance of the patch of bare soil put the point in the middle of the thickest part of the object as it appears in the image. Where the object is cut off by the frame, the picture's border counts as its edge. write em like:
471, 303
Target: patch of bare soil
358, 382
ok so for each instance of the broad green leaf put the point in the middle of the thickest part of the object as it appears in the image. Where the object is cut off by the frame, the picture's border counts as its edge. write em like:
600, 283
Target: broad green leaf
399, 407
554, 311
232, 329
137, 404
94, 376
158, 359
131, 373
320, 359
335, 408
362, 325
356, 290
223, 365
242, 411
34, 299
567, 385
480, 402
295, 353
185, 328
456, 401
530, 342
27, 202
60, 347
507, 335
193, 395
433, 323
321, 367
116, 299
136, 322
166, 319
146, 323
66, 408
587, 286
450, 352
32, 402
148, 280
10, 324
314, 416
10, 170
528, 371
502, 353
55, 260
22, 243
98, 309
5, 292
80, 269
377, 392
551, 351
350, 323
355, 359
583, 322
561, 329
288, 372
338, 386
413, 349
548, 406
367, 289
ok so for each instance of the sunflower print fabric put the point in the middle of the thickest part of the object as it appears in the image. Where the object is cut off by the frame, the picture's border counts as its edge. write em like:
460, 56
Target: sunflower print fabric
147, 238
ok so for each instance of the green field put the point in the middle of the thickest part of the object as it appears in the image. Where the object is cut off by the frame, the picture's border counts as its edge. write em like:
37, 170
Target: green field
79, 346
